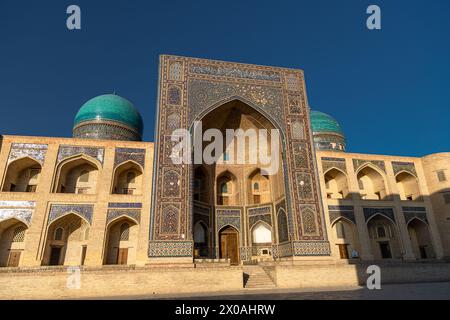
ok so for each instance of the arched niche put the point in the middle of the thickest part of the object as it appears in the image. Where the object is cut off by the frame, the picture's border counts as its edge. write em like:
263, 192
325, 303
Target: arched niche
66, 242
408, 186
336, 184
346, 238
22, 175
421, 242
77, 174
12, 242
128, 179
258, 188
371, 182
384, 237
121, 241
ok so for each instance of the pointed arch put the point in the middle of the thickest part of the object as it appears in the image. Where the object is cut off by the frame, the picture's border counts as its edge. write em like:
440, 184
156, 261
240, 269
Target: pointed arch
261, 232
121, 184
121, 235
13, 233
22, 175
336, 184
66, 179
372, 182
407, 185
379, 214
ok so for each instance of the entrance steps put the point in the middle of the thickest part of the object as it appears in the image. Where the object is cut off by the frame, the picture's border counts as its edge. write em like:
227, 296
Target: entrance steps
255, 277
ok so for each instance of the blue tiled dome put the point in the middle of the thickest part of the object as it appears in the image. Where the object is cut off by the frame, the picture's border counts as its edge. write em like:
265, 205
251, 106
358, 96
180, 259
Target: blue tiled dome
327, 133
108, 116
322, 122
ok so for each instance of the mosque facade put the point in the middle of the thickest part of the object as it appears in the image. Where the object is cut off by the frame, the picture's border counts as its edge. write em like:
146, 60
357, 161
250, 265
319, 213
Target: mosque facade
105, 197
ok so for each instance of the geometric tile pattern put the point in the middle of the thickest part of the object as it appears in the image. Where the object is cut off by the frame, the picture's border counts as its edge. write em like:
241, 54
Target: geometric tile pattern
414, 212
34, 151
68, 151
170, 248
370, 212
59, 210
125, 154
358, 163
311, 248
337, 212
399, 166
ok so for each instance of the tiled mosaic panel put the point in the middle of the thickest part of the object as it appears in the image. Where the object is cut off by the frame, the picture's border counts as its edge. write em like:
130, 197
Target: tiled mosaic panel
259, 210
204, 94
134, 214
311, 248
106, 131
358, 163
69, 151
125, 205
170, 217
252, 220
328, 162
23, 215
21, 210
370, 212
223, 221
415, 212
59, 210
245, 253
219, 70
125, 154
34, 151
283, 232
337, 212
170, 248
398, 166
282, 250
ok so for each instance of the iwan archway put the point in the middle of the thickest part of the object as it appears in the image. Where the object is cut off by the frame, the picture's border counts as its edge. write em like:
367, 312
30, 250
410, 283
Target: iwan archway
239, 95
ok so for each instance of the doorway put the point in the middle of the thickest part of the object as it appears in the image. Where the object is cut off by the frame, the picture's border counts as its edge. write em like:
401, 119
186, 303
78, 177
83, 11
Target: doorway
122, 256
229, 245
55, 255
385, 250
14, 258
343, 251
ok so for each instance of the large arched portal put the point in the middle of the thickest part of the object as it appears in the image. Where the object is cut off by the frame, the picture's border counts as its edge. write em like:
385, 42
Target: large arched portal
244, 171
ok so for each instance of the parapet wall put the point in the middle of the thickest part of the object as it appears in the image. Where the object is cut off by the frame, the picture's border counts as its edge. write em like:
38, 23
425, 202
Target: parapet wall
52, 283
338, 275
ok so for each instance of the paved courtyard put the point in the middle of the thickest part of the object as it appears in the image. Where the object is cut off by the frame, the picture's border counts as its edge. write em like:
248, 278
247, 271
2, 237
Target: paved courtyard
410, 291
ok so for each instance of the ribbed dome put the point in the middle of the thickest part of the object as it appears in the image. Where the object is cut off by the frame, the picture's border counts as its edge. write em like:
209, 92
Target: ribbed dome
322, 122
108, 116
327, 133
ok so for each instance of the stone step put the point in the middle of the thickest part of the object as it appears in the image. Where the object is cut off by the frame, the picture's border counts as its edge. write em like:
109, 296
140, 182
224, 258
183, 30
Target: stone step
256, 278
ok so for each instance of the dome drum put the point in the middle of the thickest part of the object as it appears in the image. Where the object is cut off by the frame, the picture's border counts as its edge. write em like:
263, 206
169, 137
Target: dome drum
108, 117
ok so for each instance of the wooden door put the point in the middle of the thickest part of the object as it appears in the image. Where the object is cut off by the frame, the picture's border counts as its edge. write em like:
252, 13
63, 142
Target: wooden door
385, 250
343, 251
229, 245
122, 256
55, 255
14, 258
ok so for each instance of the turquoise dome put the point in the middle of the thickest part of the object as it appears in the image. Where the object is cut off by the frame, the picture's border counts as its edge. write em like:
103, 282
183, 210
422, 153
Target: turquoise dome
110, 107
324, 123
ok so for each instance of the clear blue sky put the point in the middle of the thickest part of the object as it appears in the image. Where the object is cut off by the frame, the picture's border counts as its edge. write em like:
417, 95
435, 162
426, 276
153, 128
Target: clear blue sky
389, 89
